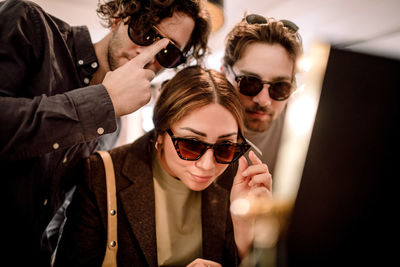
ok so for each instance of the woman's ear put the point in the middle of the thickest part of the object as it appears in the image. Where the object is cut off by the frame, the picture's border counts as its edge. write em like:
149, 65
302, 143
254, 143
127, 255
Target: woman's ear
159, 142
160, 139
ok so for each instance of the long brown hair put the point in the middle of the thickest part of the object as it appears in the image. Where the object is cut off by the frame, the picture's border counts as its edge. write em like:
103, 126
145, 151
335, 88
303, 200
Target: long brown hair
190, 89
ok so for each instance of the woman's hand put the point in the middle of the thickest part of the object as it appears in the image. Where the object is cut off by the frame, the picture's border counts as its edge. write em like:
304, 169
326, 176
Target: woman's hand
203, 263
252, 181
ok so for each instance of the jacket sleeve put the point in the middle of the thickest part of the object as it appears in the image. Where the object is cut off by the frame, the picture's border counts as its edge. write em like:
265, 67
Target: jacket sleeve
84, 238
34, 125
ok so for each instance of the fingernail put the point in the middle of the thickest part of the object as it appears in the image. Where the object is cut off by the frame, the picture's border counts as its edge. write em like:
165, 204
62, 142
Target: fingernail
166, 42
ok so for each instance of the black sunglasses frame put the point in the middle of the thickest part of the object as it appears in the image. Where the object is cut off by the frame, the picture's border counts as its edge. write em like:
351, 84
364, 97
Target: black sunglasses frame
258, 19
271, 88
160, 56
241, 147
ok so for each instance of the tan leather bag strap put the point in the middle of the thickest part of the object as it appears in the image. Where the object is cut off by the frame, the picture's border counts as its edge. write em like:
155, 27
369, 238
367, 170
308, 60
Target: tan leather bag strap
110, 258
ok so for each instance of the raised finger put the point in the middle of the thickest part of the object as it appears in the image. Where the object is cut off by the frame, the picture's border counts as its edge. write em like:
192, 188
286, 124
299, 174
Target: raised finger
256, 169
149, 74
239, 178
253, 158
149, 52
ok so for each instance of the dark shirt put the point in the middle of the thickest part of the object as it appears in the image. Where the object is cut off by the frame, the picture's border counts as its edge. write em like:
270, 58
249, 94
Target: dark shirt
49, 119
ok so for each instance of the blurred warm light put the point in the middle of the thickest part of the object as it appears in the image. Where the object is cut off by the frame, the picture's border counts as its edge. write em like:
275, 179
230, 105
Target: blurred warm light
271, 215
299, 122
147, 118
214, 60
301, 114
266, 232
240, 206
304, 64
216, 10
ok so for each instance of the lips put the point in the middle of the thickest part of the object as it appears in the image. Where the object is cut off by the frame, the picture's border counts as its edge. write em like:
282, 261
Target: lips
258, 114
202, 178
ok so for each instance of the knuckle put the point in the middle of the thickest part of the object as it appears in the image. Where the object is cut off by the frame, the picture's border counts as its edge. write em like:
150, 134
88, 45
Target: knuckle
265, 166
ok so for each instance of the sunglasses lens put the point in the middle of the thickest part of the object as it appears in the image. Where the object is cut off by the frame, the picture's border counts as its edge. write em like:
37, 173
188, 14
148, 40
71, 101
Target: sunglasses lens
190, 149
170, 57
258, 19
226, 153
280, 90
250, 86
141, 37
255, 19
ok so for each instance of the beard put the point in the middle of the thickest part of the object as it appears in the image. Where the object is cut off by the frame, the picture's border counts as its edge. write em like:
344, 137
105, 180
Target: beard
258, 125
114, 46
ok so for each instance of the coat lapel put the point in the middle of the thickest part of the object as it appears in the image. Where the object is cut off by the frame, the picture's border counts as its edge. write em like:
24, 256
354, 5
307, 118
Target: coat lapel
137, 200
215, 204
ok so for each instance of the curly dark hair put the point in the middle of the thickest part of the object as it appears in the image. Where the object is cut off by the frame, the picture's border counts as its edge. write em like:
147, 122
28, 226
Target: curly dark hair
151, 12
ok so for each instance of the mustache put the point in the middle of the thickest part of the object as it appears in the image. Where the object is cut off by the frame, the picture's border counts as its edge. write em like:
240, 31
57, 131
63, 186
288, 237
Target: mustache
258, 108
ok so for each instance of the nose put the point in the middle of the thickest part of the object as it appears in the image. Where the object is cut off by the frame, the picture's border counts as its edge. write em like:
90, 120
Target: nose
207, 161
262, 98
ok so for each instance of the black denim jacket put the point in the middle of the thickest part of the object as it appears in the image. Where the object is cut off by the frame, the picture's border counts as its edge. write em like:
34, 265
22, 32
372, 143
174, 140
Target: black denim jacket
49, 115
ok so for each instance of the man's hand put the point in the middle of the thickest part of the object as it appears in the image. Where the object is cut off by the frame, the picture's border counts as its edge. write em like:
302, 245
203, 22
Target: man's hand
129, 85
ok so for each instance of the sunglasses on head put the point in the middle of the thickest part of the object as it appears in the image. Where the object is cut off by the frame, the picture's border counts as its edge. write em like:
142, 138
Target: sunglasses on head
192, 149
169, 57
258, 19
252, 86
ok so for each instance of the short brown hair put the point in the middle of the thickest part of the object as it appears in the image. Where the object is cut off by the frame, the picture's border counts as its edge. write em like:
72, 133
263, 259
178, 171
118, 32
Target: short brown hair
151, 12
272, 32
190, 89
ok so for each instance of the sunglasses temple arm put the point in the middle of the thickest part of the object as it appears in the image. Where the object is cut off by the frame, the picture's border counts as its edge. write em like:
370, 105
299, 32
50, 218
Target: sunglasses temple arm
254, 146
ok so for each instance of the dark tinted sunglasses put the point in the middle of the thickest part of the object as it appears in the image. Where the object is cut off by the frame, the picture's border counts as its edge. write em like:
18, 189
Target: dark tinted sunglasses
169, 57
258, 19
192, 149
251, 86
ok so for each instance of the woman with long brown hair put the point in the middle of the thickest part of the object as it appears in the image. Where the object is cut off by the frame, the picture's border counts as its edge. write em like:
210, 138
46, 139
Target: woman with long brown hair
171, 211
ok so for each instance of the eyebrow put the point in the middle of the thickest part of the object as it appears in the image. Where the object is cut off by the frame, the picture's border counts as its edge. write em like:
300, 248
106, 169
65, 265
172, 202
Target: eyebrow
205, 135
278, 78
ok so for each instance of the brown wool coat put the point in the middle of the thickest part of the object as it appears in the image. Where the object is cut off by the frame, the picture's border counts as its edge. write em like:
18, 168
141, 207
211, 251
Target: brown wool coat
84, 238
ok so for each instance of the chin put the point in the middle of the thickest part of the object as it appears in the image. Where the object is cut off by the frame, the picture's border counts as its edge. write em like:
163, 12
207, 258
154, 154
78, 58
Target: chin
258, 126
197, 186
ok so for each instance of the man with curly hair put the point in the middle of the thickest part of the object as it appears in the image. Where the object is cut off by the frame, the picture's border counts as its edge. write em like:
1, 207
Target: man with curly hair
260, 60
60, 93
